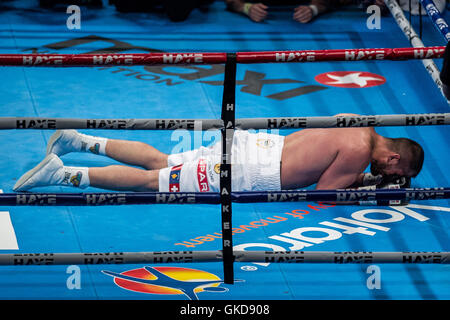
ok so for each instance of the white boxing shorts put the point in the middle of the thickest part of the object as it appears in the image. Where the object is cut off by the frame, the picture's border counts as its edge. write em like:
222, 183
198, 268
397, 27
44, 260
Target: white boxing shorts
255, 165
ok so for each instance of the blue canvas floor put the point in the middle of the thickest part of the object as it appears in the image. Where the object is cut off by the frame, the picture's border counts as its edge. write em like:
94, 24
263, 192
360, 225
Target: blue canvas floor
196, 92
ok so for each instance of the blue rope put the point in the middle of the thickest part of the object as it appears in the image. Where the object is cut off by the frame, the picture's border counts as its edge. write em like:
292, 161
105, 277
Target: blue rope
134, 198
438, 21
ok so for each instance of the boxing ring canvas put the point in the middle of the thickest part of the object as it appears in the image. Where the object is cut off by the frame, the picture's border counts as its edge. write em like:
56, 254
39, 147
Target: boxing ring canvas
195, 91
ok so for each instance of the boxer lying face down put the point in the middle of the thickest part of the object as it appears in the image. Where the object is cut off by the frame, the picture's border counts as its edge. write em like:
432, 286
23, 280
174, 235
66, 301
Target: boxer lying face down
332, 158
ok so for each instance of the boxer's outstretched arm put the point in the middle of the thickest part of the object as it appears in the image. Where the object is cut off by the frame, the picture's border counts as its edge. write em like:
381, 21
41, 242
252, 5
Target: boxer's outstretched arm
344, 171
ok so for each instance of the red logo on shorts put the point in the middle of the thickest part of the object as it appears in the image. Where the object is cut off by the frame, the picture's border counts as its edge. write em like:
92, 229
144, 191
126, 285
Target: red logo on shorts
201, 176
350, 79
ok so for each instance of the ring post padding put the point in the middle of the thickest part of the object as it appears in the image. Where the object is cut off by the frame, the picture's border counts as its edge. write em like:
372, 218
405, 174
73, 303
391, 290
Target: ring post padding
228, 118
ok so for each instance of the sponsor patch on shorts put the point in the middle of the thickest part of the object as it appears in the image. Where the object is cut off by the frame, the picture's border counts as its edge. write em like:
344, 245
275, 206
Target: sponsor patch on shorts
265, 143
174, 178
202, 176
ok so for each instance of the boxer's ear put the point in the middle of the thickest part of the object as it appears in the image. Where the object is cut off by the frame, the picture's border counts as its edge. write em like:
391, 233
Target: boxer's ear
393, 158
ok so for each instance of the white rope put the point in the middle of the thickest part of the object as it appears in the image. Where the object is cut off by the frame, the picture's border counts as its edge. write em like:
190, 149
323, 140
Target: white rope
26, 259
339, 121
415, 40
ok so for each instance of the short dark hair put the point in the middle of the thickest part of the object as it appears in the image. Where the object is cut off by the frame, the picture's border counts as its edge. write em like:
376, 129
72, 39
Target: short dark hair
410, 151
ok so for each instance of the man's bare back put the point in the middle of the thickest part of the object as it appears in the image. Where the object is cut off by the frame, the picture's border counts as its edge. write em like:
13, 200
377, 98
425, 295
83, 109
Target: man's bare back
332, 158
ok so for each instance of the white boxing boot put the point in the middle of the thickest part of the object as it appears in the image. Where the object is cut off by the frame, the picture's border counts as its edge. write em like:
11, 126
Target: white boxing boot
66, 141
52, 172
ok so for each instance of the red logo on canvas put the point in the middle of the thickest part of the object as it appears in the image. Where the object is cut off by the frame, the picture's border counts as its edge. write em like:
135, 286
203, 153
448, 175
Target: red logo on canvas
201, 176
350, 79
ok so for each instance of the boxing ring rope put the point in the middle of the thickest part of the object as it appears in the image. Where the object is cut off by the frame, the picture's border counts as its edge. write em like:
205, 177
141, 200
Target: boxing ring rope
416, 42
227, 124
378, 197
340, 121
27, 259
136, 59
435, 16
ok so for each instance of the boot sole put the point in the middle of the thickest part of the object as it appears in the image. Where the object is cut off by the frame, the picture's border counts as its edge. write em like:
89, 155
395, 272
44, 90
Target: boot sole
53, 139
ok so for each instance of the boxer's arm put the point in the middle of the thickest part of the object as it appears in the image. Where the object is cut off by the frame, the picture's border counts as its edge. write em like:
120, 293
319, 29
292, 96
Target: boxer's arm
344, 171
363, 179
366, 179
347, 114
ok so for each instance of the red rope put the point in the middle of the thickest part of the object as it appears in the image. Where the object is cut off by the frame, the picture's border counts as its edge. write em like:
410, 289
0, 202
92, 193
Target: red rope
218, 58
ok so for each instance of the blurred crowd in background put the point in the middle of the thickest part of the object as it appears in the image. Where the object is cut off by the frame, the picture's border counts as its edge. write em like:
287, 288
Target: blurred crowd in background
303, 11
